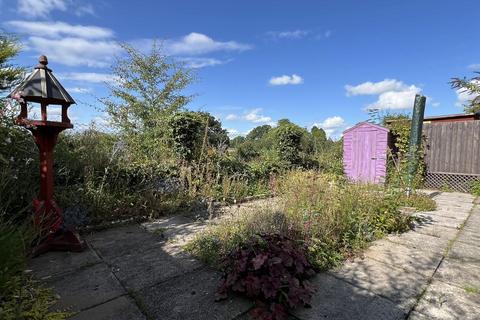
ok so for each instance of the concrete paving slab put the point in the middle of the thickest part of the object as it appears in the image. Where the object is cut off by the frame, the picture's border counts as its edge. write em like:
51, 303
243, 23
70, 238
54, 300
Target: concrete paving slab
404, 257
86, 288
145, 268
190, 297
337, 299
53, 264
420, 241
465, 252
174, 226
437, 231
116, 242
444, 301
470, 235
459, 273
398, 285
445, 221
122, 308
418, 316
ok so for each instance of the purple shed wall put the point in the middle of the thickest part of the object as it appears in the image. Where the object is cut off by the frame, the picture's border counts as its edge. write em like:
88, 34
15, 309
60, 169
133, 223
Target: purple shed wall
365, 152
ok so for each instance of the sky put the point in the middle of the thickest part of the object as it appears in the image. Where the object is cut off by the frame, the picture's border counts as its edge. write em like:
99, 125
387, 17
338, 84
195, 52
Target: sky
318, 62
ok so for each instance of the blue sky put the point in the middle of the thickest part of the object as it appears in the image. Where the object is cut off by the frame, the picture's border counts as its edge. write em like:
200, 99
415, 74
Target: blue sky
314, 62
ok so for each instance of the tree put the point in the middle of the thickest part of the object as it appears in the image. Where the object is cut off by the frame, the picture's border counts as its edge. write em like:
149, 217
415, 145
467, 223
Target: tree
319, 138
472, 88
258, 133
146, 90
289, 143
10, 74
193, 132
238, 140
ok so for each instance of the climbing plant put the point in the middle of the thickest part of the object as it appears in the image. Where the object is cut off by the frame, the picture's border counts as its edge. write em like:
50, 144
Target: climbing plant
399, 125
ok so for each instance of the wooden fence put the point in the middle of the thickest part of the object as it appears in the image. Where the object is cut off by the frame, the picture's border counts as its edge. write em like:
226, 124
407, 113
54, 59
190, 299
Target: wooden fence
452, 154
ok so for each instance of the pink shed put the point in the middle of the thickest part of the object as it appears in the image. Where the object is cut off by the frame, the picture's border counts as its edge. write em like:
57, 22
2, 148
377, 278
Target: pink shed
365, 152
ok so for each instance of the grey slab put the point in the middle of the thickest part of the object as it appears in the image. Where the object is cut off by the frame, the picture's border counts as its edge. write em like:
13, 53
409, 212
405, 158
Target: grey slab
398, 285
146, 268
122, 308
465, 252
56, 263
444, 301
446, 221
436, 230
116, 242
420, 241
470, 236
418, 316
459, 273
404, 257
191, 296
174, 226
86, 288
337, 299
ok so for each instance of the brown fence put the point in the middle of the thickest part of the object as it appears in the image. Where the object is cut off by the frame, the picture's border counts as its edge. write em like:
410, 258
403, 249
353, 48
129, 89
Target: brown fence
452, 154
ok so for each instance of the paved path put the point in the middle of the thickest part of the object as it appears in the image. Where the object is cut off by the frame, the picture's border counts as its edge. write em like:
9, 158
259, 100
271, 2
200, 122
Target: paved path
139, 272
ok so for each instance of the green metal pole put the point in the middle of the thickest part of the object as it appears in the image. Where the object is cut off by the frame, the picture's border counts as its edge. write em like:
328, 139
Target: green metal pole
415, 139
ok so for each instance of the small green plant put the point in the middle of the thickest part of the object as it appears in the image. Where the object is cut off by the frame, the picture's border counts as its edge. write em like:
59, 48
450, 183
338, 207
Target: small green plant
472, 290
475, 188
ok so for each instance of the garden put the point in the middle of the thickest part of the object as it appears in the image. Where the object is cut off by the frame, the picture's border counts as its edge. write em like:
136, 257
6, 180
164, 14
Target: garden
157, 158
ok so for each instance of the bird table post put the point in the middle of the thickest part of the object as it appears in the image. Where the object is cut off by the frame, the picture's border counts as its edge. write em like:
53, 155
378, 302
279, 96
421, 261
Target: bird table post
43, 88
415, 140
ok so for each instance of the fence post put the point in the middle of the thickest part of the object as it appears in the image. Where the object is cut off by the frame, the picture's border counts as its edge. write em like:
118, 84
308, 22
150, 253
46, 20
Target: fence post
415, 139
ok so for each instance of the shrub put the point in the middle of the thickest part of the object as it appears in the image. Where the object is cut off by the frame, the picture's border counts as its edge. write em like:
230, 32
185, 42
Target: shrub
419, 201
475, 189
272, 270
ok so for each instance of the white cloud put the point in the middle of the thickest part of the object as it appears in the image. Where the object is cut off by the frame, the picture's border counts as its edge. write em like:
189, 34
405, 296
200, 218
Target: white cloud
392, 94
464, 96
292, 35
50, 29
40, 8
254, 116
285, 80
198, 43
92, 77
72, 45
76, 51
374, 88
198, 62
78, 90
333, 126
396, 99
474, 66
86, 9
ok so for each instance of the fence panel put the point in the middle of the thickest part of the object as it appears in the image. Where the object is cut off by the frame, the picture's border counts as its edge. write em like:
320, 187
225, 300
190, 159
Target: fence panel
452, 154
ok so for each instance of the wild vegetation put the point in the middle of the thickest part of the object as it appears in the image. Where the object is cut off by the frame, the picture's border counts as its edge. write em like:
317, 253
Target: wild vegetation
156, 157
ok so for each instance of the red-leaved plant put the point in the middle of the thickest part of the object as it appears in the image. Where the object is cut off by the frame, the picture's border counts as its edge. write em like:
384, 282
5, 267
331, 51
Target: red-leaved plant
272, 270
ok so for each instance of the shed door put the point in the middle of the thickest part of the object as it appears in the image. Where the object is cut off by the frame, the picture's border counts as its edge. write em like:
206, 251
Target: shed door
364, 156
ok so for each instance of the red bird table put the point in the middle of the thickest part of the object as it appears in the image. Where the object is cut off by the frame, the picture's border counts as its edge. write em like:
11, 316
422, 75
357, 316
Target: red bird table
41, 87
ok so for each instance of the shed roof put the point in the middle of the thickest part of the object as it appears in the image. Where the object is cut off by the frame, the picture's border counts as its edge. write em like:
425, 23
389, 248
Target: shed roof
453, 116
369, 124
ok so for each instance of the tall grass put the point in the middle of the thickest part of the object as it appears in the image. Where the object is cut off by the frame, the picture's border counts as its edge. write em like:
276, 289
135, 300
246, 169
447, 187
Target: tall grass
333, 217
